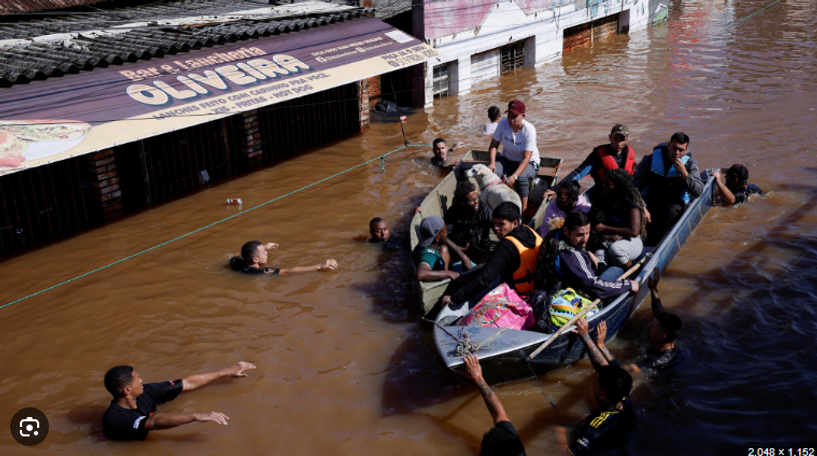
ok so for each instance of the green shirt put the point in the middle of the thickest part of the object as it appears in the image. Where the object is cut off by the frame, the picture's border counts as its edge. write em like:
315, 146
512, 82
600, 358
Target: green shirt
428, 256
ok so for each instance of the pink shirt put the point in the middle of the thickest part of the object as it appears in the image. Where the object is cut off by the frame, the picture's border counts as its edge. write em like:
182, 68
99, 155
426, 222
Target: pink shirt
553, 211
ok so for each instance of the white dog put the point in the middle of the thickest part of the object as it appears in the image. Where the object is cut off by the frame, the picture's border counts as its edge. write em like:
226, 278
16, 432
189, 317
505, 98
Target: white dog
492, 191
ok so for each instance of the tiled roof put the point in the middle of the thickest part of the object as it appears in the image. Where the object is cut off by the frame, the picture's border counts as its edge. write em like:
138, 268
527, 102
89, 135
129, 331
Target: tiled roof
84, 50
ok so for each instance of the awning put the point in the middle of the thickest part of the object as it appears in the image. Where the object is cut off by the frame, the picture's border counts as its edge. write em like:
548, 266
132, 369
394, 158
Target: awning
58, 118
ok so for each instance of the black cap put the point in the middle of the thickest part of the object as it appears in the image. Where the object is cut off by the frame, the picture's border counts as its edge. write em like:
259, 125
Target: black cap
739, 172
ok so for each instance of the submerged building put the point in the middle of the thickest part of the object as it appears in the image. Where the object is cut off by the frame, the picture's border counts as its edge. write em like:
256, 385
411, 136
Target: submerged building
107, 112
480, 40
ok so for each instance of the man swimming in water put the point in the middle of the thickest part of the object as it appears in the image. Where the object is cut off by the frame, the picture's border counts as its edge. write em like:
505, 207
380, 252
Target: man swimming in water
664, 329
254, 254
379, 230
734, 188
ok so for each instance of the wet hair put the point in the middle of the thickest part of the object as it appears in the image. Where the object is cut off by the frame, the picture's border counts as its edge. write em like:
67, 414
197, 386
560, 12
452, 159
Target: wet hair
117, 378
572, 187
494, 113
374, 221
499, 442
507, 211
670, 325
437, 141
680, 138
464, 188
624, 190
615, 382
574, 220
249, 250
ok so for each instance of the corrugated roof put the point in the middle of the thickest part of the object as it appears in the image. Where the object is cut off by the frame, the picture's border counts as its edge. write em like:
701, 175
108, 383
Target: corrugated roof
85, 50
20, 6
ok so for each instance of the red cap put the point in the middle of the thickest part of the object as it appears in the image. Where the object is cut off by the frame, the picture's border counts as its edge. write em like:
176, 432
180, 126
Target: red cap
516, 107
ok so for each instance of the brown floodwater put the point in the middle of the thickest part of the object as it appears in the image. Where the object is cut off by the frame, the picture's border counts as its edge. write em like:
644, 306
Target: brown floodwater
345, 366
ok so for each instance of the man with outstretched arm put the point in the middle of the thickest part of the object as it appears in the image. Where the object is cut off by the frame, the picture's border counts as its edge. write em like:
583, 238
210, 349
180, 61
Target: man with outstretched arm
502, 439
254, 254
664, 353
131, 413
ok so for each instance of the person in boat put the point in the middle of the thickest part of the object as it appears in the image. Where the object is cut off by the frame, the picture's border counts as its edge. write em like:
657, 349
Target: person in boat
441, 150
514, 259
735, 187
565, 262
379, 230
608, 429
495, 115
131, 413
520, 156
254, 254
668, 179
502, 439
603, 159
618, 225
568, 198
432, 256
469, 222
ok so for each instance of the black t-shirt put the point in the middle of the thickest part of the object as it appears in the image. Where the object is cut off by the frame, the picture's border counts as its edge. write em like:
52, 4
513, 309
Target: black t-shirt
120, 423
605, 431
742, 194
660, 361
514, 448
237, 264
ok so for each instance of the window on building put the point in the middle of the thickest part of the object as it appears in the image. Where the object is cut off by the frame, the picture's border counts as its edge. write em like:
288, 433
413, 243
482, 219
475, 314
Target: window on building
512, 57
440, 80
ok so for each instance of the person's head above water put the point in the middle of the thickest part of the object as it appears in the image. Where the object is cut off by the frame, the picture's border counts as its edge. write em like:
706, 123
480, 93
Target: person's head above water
494, 113
439, 148
506, 219
612, 384
122, 381
576, 229
737, 176
499, 442
379, 230
254, 253
664, 328
567, 193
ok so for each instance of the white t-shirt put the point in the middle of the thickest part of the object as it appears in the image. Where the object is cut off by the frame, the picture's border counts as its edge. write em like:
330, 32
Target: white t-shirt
489, 128
514, 145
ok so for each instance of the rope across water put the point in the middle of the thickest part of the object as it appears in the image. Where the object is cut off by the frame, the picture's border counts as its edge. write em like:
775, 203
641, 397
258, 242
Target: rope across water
382, 159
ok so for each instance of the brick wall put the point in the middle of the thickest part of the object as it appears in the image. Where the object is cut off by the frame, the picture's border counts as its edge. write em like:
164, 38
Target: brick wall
375, 90
102, 178
248, 137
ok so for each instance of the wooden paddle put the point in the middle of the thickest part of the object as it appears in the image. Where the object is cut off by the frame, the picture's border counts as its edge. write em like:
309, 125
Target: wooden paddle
581, 314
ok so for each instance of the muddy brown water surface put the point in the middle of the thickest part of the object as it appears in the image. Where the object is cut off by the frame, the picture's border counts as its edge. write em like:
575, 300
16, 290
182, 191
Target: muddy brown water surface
344, 364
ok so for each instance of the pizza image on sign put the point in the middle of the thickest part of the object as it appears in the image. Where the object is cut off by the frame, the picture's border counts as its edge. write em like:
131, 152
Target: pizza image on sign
22, 140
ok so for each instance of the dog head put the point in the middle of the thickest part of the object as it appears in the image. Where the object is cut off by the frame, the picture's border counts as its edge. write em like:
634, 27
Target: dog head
482, 172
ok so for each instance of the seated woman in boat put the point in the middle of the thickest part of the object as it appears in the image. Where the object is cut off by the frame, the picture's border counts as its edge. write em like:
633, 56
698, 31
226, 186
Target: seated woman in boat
469, 222
618, 224
568, 198
432, 255
564, 262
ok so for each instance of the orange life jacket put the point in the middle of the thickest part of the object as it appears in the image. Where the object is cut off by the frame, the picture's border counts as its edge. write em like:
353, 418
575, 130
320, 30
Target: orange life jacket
523, 277
608, 161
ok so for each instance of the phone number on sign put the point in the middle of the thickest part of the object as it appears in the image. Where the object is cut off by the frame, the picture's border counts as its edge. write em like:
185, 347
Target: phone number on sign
780, 449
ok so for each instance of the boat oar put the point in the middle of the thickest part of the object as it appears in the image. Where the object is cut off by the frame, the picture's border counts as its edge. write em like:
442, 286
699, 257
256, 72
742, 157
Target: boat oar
584, 311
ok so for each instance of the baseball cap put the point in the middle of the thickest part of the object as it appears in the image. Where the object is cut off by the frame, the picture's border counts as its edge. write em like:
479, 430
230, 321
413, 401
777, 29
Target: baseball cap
429, 228
739, 172
620, 129
516, 107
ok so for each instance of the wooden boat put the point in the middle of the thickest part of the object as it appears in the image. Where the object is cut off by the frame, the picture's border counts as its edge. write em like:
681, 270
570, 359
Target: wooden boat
442, 197
503, 352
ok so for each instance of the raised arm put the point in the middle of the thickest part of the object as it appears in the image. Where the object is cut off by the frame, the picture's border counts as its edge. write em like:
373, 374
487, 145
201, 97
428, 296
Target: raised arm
693, 181
192, 382
722, 190
596, 356
657, 307
474, 370
328, 265
171, 420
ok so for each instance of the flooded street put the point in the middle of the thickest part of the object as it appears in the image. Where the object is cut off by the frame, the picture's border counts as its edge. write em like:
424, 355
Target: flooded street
345, 365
